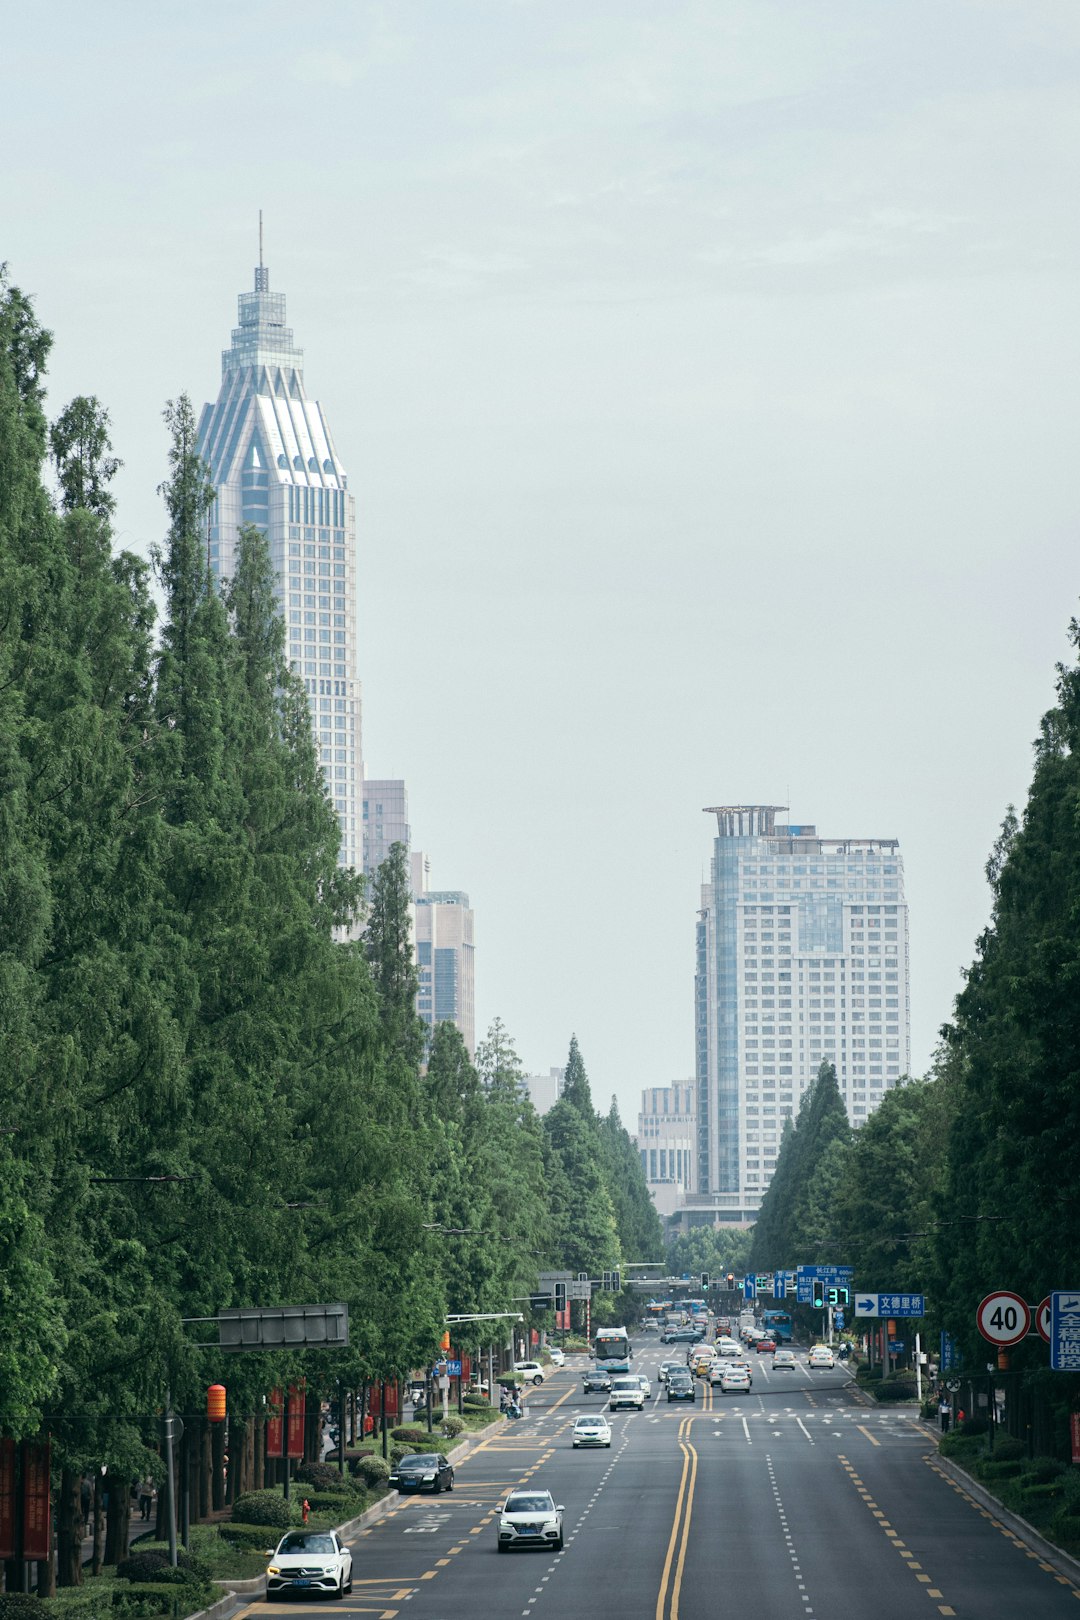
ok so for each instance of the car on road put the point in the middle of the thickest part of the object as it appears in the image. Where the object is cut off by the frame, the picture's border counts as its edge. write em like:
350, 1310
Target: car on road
728, 1347
669, 1367
594, 1378
784, 1360
310, 1561
591, 1431
734, 1380
530, 1519
721, 1368
680, 1335
703, 1360
765, 1345
680, 1386
646, 1386
626, 1390
557, 1356
423, 1471
821, 1356
531, 1371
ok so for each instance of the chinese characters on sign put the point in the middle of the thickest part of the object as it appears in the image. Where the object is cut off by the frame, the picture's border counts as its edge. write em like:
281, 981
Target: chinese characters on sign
1065, 1331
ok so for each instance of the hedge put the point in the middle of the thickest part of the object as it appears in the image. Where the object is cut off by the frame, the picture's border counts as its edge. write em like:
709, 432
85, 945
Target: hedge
374, 1471
20, 1606
254, 1537
265, 1507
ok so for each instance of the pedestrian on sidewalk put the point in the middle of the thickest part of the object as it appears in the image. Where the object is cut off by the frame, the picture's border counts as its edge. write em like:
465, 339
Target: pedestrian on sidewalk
944, 1413
147, 1497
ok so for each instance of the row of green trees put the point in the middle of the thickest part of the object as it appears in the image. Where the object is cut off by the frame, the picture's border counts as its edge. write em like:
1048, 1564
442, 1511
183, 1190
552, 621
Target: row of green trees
965, 1182
213, 1092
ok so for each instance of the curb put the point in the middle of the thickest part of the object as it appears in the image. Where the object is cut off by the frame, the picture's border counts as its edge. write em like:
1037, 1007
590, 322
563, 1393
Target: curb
234, 1591
1063, 1562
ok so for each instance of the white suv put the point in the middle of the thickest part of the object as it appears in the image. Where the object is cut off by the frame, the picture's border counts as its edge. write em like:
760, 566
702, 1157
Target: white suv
626, 1390
531, 1371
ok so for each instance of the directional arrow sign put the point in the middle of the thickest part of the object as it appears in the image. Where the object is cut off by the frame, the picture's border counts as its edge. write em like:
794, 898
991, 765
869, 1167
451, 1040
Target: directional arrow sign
866, 1305
890, 1304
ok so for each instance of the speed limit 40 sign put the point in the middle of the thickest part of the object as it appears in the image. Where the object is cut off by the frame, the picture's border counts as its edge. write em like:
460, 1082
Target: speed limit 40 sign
1003, 1318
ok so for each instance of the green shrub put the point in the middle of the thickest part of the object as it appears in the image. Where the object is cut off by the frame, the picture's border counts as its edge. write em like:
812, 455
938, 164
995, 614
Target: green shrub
974, 1425
992, 1469
1009, 1450
414, 1436
20, 1606
929, 1410
93, 1601
452, 1426
139, 1600
1041, 1493
321, 1476
1064, 1528
253, 1537
374, 1471
265, 1507
345, 1503
1043, 1470
895, 1389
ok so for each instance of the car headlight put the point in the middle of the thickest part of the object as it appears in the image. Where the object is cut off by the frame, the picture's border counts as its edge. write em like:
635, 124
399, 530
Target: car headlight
273, 1570
429, 1476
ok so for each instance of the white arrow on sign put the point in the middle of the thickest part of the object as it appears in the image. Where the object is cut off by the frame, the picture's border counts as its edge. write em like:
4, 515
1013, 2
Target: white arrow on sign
867, 1305
1042, 1319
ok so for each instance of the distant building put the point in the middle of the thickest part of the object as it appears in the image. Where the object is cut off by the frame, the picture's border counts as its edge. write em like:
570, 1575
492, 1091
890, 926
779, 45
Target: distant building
802, 955
445, 956
544, 1090
667, 1143
386, 820
273, 464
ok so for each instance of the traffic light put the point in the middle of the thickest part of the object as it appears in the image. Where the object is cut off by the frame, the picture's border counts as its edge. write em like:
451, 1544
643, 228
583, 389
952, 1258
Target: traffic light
819, 1296
607, 1282
444, 1342
704, 1282
560, 1296
731, 1279
616, 1281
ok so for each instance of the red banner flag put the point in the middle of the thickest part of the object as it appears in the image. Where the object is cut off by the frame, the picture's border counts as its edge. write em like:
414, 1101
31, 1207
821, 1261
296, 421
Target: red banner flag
37, 1500
1074, 1428
296, 1420
7, 1498
275, 1428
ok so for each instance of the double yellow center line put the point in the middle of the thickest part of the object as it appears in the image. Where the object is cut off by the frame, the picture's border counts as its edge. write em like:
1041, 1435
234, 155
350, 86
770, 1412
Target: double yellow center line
667, 1602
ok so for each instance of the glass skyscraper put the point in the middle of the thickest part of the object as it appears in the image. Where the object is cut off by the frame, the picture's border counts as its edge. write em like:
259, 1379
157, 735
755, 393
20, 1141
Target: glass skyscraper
273, 463
802, 956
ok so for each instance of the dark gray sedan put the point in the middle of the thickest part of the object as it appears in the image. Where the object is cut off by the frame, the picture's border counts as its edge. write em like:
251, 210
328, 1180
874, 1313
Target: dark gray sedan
426, 1471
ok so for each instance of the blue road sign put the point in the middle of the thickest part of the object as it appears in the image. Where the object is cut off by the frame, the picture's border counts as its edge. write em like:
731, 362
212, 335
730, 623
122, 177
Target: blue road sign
890, 1304
446, 1369
1065, 1331
779, 1286
838, 1318
831, 1274
749, 1288
948, 1356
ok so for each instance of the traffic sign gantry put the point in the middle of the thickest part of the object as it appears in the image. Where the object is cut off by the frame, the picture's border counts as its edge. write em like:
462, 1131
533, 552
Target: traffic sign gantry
1003, 1318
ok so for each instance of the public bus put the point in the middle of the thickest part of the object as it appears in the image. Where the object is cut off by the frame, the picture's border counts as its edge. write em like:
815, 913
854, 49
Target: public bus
611, 1347
778, 1323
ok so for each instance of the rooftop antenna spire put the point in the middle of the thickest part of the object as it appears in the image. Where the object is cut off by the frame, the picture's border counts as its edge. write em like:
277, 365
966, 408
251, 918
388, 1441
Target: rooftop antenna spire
262, 275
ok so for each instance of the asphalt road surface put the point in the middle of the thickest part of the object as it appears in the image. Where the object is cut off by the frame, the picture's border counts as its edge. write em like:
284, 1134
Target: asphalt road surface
799, 1501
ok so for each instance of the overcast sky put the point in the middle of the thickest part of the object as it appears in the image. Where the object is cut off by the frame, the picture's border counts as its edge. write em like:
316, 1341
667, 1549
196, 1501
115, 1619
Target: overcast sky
707, 377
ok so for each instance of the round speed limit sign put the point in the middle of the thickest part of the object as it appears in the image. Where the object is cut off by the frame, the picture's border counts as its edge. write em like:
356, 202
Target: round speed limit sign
1003, 1318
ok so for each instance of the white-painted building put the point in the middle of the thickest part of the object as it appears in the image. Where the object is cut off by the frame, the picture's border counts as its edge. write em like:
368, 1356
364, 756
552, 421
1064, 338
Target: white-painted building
802, 955
666, 1141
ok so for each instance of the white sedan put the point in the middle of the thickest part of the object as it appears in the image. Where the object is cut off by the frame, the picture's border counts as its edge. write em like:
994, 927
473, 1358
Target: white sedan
734, 1380
820, 1356
530, 1519
591, 1431
310, 1561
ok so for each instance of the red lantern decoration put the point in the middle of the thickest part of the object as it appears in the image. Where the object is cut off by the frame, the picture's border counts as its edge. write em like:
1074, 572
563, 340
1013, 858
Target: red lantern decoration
215, 1403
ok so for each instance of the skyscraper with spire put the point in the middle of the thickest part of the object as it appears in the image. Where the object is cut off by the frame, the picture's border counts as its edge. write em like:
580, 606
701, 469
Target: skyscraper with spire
273, 463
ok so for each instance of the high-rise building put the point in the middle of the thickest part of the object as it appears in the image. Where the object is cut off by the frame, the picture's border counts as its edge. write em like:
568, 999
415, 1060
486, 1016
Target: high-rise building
386, 820
666, 1142
273, 463
544, 1090
445, 960
802, 956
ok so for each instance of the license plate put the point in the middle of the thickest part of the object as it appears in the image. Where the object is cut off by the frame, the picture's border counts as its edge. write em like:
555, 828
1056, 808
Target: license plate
301, 1583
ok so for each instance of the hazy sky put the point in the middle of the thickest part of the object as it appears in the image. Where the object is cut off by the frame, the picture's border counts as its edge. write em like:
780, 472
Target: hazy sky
707, 377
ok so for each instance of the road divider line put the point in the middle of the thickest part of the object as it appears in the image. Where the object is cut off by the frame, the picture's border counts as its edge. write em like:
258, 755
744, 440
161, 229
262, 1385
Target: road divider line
864, 1430
683, 1504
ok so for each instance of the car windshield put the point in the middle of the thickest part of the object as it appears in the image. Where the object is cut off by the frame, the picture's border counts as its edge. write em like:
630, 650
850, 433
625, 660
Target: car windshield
588, 1423
530, 1504
625, 1383
431, 1461
307, 1544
